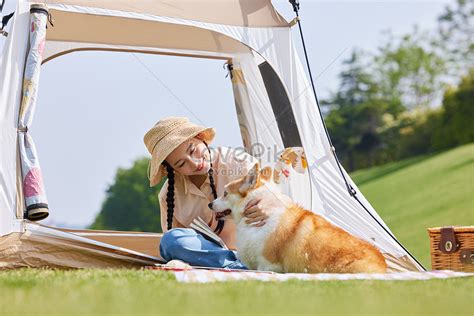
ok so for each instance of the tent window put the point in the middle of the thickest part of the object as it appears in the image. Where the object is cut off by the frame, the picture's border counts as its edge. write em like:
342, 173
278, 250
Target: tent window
281, 106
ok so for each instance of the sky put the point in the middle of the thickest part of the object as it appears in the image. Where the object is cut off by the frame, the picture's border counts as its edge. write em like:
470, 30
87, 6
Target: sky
93, 108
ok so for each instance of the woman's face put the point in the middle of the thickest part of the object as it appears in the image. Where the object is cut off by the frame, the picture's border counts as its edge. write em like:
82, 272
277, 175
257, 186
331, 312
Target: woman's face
190, 158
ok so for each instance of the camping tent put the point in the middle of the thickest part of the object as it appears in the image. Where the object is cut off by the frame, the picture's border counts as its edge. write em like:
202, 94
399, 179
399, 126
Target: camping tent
275, 105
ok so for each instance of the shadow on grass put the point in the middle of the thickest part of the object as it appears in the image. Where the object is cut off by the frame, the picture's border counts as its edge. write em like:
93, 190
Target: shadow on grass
461, 164
366, 175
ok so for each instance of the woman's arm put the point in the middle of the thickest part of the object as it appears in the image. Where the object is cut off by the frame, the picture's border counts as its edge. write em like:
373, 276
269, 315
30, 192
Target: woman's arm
256, 210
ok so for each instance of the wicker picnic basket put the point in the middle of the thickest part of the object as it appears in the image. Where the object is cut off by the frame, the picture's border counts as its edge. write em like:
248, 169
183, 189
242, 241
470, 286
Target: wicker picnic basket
452, 248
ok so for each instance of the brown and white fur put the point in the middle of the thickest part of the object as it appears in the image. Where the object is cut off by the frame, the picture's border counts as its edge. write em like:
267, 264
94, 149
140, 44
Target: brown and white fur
293, 239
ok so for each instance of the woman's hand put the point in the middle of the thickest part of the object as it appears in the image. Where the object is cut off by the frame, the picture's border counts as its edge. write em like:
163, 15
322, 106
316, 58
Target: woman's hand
258, 210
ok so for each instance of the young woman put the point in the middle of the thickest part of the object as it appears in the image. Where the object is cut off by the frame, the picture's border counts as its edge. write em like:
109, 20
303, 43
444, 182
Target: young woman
196, 176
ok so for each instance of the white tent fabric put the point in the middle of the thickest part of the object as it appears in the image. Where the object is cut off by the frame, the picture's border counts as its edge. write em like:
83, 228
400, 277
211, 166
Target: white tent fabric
12, 65
263, 57
257, 123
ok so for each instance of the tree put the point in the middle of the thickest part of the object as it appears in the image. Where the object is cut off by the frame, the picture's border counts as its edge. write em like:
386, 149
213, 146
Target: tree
458, 115
386, 105
130, 203
456, 37
355, 113
409, 71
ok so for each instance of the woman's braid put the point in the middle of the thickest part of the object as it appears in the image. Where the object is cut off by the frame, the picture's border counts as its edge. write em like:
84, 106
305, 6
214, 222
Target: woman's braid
169, 195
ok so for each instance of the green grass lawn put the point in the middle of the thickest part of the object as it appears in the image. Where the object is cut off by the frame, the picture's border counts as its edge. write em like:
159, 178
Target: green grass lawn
422, 192
89, 292
410, 195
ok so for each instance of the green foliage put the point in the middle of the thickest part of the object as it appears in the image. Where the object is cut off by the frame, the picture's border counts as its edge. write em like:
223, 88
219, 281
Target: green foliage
415, 132
409, 71
387, 104
355, 112
456, 36
456, 126
438, 129
130, 203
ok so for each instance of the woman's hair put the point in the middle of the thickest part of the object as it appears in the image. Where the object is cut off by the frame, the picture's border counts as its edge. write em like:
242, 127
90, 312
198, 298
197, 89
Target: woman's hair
170, 193
211, 172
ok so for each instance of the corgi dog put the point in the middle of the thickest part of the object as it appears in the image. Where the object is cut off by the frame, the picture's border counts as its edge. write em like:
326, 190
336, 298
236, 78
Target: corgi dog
293, 239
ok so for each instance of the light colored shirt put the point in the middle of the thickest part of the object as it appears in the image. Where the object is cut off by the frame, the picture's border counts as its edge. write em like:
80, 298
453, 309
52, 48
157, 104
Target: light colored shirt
190, 201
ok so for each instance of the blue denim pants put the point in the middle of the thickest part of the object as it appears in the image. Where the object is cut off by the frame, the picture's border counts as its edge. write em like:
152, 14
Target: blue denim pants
187, 245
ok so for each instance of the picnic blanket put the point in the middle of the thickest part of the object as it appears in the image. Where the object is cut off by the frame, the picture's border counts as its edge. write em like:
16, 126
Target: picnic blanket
199, 275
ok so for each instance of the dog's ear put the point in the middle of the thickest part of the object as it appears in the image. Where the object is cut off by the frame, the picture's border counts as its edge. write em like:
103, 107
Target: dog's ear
266, 173
250, 180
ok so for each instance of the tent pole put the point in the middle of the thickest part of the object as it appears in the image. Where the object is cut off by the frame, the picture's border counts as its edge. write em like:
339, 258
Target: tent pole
350, 189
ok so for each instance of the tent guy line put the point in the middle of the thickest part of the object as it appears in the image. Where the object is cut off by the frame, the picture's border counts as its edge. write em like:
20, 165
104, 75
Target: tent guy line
331, 63
351, 190
167, 88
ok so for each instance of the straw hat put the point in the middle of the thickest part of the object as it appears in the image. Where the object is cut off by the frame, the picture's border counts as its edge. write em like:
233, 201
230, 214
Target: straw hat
165, 136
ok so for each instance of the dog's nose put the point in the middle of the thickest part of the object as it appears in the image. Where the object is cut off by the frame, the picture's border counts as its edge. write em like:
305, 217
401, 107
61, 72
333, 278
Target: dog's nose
210, 205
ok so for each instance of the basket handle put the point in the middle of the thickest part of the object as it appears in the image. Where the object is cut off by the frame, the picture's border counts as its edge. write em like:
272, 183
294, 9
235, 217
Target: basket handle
448, 242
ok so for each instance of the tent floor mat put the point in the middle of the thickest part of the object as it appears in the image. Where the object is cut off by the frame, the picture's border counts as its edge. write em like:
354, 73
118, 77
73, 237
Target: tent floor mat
208, 275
